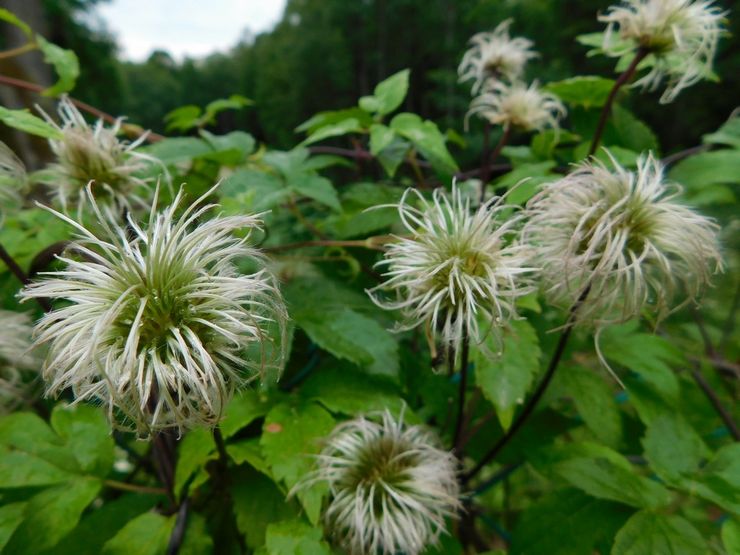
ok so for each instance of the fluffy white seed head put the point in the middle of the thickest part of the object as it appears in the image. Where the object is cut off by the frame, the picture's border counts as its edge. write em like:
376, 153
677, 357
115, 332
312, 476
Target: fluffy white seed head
391, 487
16, 356
13, 177
623, 233
158, 324
681, 35
517, 105
494, 56
94, 154
458, 268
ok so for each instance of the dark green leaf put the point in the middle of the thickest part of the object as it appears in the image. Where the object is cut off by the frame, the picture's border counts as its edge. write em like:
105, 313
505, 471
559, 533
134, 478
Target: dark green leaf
294, 537
243, 409
506, 379
633, 133
708, 168
567, 522
197, 540
318, 188
11, 515
648, 533
594, 400
102, 524
178, 149
673, 447
86, 431
147, 534
194, 451
604, 479
25, 121
584, 90
51, 515
257, 503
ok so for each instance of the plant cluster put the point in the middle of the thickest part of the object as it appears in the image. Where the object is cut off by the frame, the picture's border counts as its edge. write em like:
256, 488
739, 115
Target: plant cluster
368, 350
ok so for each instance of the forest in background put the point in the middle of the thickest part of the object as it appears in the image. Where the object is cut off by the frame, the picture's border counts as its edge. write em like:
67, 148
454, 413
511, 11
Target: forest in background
324, 54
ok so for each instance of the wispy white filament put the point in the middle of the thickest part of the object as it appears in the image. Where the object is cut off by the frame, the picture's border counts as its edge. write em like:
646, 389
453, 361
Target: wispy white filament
623, 234
391, 487
456, 268
494, 56
516, 105
13, 177
681, 35
159, 325
16, 357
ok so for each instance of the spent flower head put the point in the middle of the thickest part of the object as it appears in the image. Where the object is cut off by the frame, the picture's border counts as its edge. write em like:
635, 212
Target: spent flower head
495, 56
519, 106
458, 267
95, 154
390, 485
623, 234
16, 357
13, 177
160, 326
681, 35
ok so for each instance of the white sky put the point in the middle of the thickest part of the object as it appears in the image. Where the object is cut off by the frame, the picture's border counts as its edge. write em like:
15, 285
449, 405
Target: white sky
192, 28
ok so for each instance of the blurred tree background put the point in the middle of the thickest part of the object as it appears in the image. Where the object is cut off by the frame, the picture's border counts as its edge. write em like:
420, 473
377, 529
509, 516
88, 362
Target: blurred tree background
324, 54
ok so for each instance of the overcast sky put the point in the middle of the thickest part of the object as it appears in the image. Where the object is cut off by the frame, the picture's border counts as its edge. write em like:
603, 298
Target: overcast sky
185, 27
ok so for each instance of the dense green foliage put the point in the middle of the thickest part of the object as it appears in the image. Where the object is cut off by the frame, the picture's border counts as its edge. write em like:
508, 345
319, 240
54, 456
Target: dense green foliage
648, 468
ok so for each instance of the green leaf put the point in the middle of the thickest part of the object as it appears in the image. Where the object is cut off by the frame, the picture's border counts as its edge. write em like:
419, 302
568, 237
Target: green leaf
11, 515
9, 17
349, 125
194, 451
380, 137
102, 524
317, 188
294, 537
524, 181
506, 379
347, 391
147, 534
730, 536
86, 431
234, 102
182, 118
633, 133
243, 409
197, 540
428, 140
65, 63
648, 533
707, 168
594, 400
51, 515
25, 121
393, 155
604, 479
567, 522
728, 134
388, 94
585, 90
238, 144
323, 119
673, 447
291, 435
349, 335
250, 452
178, 149
257, 503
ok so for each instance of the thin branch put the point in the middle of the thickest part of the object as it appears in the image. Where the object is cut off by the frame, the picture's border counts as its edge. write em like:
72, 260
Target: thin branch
726, 417
485, 168
17, 51
537, 395
123, 486
18, 272
464, 354
606, 110
373, 243
681, 154
178, 532
729, 326
85, 107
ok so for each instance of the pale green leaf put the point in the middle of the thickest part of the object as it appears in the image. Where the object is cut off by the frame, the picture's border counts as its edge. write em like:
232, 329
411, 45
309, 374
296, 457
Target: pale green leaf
65, 63
427, 139
672, 447
294, 537
584, 90
9, 17
85, 429
380, 137
594, 400
317, 188
648, 533
25, 121
147, 534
